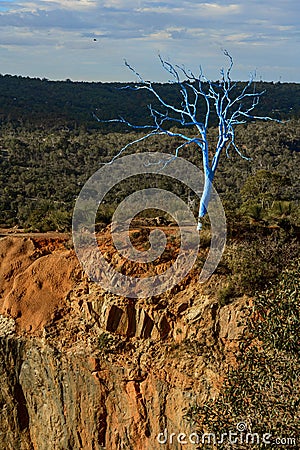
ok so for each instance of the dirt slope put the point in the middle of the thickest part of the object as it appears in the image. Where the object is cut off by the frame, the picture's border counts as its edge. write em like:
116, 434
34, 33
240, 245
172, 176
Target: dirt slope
36, 274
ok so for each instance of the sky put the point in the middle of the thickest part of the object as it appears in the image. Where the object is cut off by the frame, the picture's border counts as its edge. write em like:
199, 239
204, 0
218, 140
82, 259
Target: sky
88, 40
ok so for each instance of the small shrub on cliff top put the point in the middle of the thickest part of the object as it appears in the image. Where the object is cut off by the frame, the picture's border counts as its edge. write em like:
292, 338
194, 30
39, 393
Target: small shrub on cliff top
263, 391
226, 294
254, 263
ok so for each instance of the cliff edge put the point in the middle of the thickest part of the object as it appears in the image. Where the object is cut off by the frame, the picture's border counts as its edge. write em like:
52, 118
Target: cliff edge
85, 369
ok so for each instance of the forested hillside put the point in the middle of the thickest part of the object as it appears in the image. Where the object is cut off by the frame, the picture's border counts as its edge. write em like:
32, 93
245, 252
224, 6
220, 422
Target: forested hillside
42, 172
50, 144
42, 103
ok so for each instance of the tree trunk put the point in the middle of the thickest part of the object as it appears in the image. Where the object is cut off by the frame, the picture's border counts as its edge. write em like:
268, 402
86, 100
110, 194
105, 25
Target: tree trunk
209, 175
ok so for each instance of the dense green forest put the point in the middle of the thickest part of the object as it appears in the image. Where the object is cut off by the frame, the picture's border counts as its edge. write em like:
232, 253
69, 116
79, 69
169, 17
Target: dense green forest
42, 172
42, 103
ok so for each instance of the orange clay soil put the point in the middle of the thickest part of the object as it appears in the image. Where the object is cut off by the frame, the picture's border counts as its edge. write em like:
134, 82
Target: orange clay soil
36, 274
38, 271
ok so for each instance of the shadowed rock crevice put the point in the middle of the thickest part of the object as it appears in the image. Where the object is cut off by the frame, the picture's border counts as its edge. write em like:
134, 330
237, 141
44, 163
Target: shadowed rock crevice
22, 412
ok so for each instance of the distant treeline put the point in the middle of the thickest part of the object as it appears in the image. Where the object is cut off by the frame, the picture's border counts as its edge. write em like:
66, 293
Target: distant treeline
35, 102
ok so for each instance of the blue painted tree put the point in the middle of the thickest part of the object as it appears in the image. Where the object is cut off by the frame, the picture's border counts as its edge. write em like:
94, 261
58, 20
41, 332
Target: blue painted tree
232, 103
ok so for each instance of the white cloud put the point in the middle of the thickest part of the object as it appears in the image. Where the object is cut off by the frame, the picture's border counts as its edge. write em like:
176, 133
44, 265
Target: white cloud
185, 29
159, 9
120, 4
47, 5
216, 8
74, 4
190, 8
160, 35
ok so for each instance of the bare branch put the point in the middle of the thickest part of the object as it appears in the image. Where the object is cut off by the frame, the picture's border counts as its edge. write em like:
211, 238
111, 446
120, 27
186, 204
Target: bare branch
219, 96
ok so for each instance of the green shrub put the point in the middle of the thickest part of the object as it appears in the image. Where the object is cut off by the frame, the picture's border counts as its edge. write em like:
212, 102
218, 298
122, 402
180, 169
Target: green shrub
226, 294
263, 390
254, 263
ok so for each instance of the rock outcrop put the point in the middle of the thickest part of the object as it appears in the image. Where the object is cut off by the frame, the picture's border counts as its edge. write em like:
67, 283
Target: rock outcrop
84, 369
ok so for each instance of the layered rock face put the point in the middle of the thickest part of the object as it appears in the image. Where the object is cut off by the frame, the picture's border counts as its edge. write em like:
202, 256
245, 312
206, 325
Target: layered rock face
84, 369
